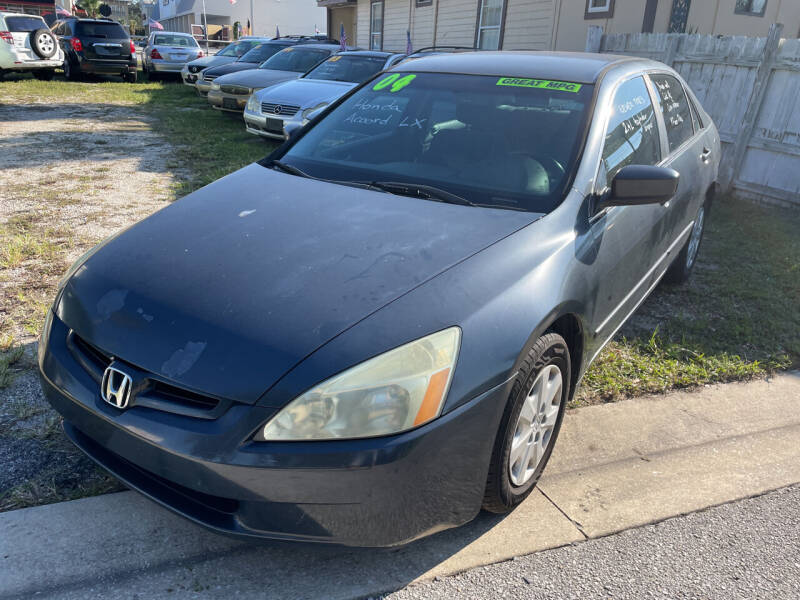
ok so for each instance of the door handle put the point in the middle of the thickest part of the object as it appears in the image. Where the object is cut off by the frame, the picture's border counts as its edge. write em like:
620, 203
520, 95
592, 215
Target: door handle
705, 155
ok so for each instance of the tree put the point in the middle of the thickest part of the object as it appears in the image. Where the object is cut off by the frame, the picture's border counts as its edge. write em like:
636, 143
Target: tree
135, 13
92, 7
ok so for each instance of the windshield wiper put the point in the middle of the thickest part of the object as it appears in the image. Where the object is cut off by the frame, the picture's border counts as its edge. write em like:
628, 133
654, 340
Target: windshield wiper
418, 190
276, 164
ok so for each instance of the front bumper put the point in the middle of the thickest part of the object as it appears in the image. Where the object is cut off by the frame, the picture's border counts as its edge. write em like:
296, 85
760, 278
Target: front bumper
229, 102
203, 87
371, 492
257, 124
190, 78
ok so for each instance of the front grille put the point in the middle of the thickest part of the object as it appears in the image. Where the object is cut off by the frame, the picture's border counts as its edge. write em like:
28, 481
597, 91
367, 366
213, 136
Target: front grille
235, 90
284, 110
148, 390
209, 77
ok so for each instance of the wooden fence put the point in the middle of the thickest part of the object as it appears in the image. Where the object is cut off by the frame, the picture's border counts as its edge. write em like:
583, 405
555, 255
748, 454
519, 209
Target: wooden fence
750, 87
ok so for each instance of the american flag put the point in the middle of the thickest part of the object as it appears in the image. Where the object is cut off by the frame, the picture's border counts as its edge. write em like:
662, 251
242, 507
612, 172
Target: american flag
153, 24
342, 37
60, 12
408, 42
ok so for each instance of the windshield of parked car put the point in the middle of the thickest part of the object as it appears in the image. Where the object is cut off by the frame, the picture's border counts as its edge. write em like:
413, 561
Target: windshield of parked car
238, 48
295, 59
496, 141
342, 67
25, 23
261, 53
111, 31
174, 40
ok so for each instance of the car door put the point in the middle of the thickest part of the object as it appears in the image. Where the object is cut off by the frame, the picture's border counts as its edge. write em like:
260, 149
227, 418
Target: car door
687, 154
627, 240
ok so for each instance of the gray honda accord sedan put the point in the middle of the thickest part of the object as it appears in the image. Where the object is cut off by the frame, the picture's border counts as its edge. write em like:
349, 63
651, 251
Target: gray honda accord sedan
374, 332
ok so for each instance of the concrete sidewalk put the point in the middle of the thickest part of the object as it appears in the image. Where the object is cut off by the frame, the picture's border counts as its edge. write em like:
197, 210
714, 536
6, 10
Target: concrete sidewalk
616, 466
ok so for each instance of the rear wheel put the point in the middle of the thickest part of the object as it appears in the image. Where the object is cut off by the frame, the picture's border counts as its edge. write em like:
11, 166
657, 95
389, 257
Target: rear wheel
530, 424
681, 268
44, 74
130, 77
43, 43
69, 71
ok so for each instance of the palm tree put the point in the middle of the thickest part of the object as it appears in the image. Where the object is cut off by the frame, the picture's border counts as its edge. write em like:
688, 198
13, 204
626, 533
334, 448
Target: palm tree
92, 7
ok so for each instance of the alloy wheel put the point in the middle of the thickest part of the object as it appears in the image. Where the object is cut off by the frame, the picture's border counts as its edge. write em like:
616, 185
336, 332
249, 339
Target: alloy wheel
46, 43
694, 239
534, 429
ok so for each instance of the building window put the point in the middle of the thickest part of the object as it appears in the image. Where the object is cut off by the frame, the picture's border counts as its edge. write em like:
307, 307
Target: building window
599, 9
753, 8
376, 25
424, 2
490, 24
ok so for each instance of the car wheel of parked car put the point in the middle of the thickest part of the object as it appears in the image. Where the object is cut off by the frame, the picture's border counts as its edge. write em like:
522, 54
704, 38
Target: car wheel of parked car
44, 74
681, 267
43, 43
69, 72
530, 424
129, 77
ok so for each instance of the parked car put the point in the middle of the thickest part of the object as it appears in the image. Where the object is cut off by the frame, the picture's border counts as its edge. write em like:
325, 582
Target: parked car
372, 333
97, 47
273, 111
191, 73
231, 92
193, 70
168, 52
28, 45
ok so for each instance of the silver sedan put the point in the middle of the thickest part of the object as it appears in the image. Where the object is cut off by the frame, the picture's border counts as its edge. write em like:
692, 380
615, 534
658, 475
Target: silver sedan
168, 52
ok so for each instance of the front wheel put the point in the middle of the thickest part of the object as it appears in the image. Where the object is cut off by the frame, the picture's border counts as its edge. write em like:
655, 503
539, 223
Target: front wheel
530, 424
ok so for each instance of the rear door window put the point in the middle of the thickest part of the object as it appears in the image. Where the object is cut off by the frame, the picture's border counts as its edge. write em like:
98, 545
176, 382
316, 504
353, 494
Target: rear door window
674, 106
22, 24
111, 31
632, 135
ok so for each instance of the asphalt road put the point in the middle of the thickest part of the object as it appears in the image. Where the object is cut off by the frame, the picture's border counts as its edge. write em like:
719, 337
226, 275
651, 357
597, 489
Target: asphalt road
744, 550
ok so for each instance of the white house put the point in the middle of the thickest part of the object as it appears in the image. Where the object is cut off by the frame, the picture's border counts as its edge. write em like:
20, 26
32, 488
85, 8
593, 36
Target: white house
292, 17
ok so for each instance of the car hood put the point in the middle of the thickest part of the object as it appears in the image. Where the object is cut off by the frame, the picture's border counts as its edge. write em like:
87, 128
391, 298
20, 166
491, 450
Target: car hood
306, 93
257, 78
211, 61
231, 67
226, 290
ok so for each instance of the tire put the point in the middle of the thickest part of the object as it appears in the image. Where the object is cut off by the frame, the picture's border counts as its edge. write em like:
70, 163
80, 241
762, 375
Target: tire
69, 72
681, 268
44, 74
509, 481
130, 77
43, 43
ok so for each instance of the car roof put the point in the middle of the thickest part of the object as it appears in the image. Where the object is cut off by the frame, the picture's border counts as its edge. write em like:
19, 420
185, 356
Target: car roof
580, 67
184, 34
16, 14
321, 46
375, 53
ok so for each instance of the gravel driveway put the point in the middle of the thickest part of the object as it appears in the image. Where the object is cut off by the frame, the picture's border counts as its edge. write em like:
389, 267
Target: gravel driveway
70, 175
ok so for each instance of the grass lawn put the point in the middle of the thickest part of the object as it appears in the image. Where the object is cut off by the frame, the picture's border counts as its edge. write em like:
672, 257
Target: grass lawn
738, 318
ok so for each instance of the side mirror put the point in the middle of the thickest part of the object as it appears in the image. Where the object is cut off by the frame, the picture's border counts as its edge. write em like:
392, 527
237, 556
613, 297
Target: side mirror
640, 184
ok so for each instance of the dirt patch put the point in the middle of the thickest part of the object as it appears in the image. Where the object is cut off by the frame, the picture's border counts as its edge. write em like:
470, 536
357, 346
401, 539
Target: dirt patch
70, 176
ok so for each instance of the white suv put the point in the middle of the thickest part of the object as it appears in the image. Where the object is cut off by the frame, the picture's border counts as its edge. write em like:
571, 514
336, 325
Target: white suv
27, 44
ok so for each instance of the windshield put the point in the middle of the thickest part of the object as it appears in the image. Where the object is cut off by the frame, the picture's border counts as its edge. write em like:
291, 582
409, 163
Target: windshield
495, 141
112, 31
182, 41
354, 69
294, 59
237, 49
260, 53
25, 23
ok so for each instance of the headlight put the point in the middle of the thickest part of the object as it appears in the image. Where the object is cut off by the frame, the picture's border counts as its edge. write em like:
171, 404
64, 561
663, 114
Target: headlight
308, 113
393, 392
253, 105
214, 86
